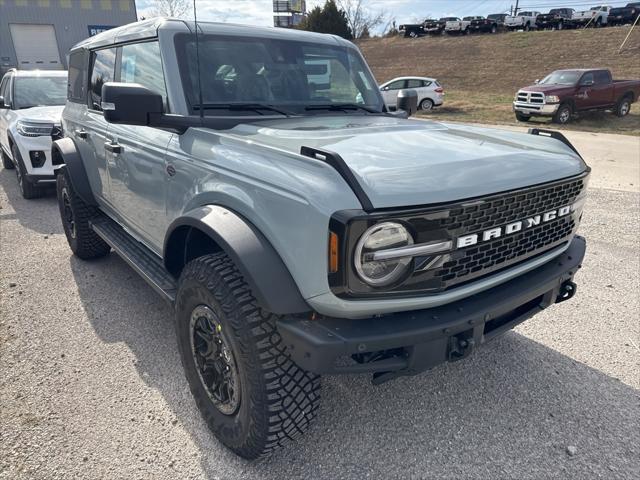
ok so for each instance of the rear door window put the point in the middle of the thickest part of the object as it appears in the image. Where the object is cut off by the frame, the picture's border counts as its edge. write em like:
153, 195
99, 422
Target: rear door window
77, 83
102, 71
602, 77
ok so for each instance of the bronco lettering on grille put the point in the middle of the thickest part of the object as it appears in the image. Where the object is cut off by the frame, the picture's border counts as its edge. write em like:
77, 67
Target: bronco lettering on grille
474, 238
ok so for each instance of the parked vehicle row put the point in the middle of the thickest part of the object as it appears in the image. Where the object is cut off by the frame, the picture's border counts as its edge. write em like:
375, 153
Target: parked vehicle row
556, 19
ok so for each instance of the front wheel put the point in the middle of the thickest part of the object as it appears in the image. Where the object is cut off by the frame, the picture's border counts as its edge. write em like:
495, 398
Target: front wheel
27, 189
563, 115
522, 117
248, 389
527, 27
494, 29
467, 31
426, 104
624, 107
560, 25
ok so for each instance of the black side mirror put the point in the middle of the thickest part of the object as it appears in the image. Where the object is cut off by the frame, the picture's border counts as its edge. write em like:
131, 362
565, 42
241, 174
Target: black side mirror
2, 105
586, 83
407, 101
129, 103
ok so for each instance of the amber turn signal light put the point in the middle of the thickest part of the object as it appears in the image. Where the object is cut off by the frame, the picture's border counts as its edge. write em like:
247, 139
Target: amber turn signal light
333, 252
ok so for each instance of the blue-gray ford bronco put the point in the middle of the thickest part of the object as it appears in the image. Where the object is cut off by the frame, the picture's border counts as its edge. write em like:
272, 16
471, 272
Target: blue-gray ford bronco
255, 179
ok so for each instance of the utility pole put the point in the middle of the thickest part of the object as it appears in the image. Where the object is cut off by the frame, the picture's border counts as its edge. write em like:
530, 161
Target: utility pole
516, 9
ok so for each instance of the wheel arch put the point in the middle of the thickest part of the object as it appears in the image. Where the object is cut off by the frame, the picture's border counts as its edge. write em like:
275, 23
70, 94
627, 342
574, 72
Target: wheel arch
64, 152
213, 228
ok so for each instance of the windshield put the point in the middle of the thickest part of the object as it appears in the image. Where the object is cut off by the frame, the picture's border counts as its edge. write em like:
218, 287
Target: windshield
39, 91
561, 78
289, 75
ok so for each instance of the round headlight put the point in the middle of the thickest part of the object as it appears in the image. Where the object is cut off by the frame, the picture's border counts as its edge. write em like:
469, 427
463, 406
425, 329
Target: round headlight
383, 236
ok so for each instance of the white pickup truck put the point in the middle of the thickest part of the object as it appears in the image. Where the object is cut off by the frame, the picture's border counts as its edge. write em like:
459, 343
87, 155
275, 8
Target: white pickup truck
523, 20
595, 16
459, 26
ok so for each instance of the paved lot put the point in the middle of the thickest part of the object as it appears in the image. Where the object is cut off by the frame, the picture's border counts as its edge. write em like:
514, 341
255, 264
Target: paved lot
91, 384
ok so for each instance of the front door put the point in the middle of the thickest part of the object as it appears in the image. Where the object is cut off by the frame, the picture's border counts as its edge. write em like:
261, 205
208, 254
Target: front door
136, 154
390, 93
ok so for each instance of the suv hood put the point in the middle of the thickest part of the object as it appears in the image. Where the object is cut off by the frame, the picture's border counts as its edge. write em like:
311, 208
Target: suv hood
41, 114
403, 163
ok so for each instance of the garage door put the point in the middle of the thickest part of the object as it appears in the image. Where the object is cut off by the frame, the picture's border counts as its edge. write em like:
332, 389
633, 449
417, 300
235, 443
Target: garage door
36, 46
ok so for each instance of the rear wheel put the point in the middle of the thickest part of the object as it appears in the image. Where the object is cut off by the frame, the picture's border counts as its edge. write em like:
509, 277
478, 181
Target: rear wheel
624, 107
426, 104
527, 27
563, 115
27, 189
560, 25
76, 216
467, 31
494, 29
522, 117
250, 392
6, 161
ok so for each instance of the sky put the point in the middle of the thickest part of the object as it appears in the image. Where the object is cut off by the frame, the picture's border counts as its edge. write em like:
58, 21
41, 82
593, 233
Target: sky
259, 12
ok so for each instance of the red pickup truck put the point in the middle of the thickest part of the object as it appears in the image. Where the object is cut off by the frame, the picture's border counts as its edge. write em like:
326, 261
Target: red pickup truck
564, 93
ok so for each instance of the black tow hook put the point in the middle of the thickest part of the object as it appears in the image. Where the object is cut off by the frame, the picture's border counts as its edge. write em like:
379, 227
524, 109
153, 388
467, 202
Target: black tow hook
460, 348
567, 290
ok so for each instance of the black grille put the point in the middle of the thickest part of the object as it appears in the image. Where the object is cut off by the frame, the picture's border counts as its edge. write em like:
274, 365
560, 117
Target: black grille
509, 208
492, 255
487, 257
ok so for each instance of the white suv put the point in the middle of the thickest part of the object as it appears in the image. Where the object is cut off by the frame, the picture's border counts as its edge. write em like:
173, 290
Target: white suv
31, 104
430, 92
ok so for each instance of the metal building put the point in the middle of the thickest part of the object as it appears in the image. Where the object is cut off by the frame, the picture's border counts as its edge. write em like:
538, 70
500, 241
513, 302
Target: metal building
39, 33
288, 13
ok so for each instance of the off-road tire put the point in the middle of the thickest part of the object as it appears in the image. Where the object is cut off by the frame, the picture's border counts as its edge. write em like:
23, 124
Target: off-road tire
84, 242
28, 190
623, 107
426, 105
522, 118
6, 161
561, 116
278, 399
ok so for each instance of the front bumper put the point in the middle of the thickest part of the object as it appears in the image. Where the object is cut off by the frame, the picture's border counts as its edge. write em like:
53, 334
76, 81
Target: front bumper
543, 109
26, 145
410, 342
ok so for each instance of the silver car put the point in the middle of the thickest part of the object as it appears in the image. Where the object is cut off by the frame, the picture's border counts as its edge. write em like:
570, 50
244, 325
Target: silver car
430, 92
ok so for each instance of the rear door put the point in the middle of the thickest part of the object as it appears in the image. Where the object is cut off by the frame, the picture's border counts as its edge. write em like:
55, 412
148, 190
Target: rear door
91, 127
36, 46
136, 154
602, 91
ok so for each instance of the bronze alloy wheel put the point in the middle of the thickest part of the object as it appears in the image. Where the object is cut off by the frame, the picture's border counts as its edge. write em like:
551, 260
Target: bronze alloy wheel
214, 360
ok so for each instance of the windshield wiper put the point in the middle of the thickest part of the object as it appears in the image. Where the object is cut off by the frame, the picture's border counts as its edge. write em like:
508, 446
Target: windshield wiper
341, 106
244, 107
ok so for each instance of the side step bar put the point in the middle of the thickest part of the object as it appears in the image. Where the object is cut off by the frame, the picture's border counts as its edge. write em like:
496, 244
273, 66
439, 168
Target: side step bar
138, 256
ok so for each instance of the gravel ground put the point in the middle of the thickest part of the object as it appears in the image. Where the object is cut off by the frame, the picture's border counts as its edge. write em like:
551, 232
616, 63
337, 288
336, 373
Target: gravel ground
91, 385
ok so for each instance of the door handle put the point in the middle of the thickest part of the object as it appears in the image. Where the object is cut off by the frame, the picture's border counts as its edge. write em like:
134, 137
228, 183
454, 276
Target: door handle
82, 133
113, 147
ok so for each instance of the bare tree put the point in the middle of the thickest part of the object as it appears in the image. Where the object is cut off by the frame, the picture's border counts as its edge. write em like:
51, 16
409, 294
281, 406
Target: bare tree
360, 18
171, 8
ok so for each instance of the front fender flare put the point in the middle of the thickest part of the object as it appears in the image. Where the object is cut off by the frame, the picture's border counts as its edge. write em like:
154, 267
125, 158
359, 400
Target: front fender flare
258, 262
66, 149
